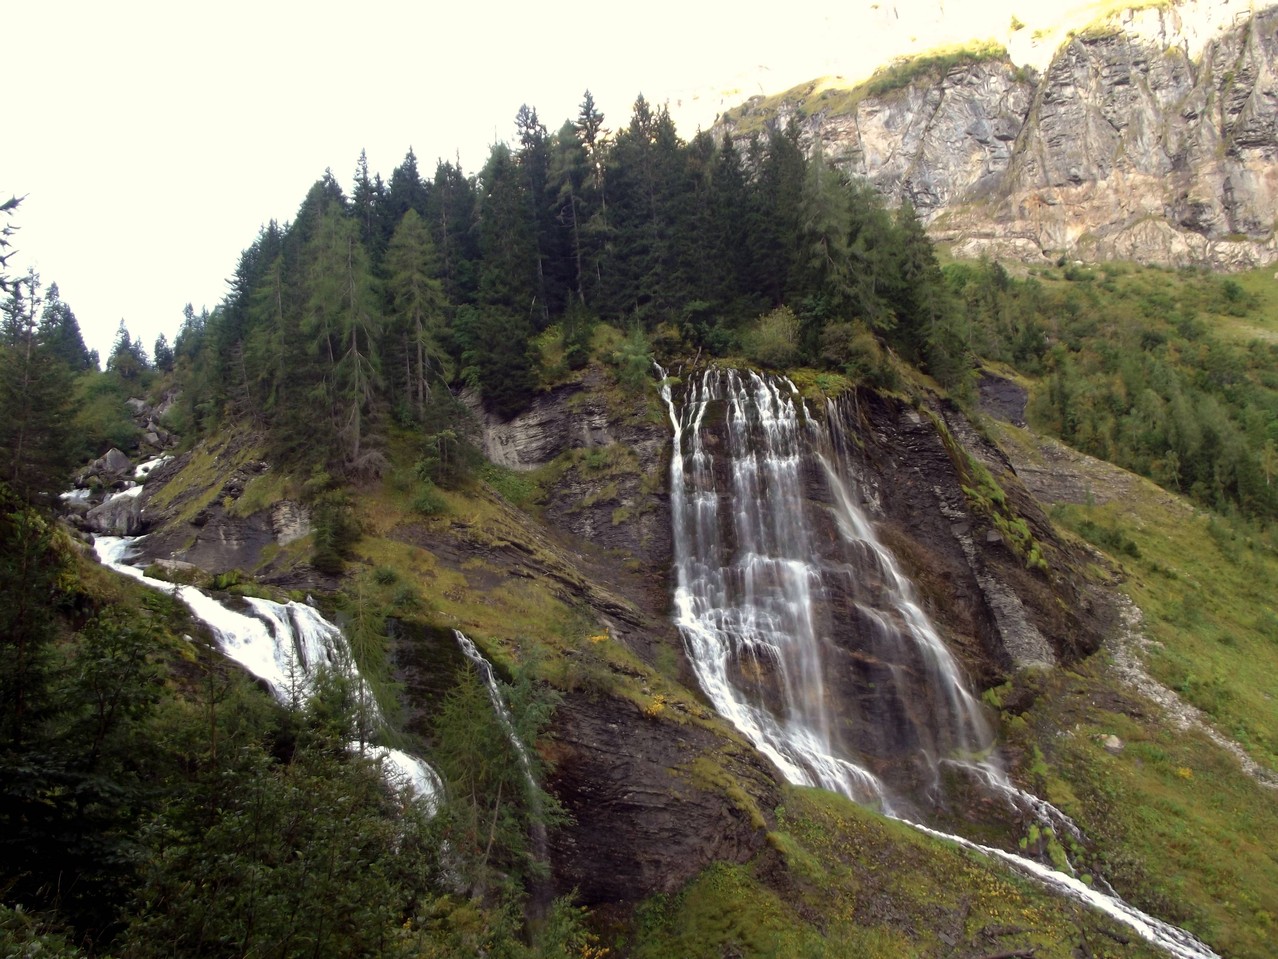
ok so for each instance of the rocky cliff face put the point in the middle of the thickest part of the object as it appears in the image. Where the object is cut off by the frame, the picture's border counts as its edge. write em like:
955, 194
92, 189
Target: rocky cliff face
1150, 136
656, 785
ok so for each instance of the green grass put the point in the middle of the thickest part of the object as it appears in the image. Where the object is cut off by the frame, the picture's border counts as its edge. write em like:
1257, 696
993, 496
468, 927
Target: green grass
1179, 827
1207, 587
839, 880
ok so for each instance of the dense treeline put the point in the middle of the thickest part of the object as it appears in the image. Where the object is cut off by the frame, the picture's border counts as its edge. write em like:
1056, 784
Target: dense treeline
60, 409
1131, 370
364, 306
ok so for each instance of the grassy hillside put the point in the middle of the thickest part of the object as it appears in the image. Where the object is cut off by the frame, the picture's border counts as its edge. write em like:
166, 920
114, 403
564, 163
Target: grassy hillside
1179, 818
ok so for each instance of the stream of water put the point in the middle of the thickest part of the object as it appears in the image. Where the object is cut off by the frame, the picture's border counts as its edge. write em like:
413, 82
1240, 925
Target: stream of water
485, 670
284, 645
816, 648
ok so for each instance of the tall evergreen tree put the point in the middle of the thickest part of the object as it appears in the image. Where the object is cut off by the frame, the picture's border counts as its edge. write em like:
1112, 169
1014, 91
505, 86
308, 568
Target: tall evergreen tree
35, 392
368, 205
6, 231
418, 305
569, 169
452, 221
507, 245
533, 159
344, 321
776, 226
405, 191
60, 331
128, 359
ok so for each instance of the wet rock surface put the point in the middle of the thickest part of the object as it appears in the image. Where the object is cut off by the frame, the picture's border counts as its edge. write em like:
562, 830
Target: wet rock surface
646, 819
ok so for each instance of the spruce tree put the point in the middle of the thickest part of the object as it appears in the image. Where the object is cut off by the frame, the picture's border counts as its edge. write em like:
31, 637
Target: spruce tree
418, 305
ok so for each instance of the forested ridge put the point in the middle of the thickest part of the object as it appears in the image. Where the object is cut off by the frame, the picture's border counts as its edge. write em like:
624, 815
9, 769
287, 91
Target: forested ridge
154, 803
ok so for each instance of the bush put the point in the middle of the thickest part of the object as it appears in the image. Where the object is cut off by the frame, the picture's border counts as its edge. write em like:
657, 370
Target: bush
429, 501
774, 339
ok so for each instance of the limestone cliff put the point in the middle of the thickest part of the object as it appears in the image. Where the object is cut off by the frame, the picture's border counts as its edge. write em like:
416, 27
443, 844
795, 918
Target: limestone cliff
1150, 135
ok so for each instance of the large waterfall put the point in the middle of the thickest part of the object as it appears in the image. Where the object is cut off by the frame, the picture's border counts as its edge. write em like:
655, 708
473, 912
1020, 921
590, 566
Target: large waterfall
779, 616
804, 633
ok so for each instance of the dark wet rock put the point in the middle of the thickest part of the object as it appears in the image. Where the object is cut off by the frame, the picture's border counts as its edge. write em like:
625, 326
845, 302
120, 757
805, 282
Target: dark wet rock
1002, 398
646, 818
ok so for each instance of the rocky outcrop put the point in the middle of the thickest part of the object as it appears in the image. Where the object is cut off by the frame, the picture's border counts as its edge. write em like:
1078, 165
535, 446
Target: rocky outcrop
1151, 136
994, 612
119, 515
647, 812
571, 416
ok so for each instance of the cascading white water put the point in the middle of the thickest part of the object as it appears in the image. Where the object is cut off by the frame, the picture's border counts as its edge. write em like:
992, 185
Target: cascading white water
485, 670
773, 629
285, 645
750, 614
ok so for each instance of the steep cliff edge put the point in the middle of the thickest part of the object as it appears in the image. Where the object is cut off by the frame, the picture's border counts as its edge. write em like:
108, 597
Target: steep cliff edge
1147, 136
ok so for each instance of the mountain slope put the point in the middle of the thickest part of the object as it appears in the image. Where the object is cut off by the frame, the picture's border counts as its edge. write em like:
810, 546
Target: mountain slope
1138, 140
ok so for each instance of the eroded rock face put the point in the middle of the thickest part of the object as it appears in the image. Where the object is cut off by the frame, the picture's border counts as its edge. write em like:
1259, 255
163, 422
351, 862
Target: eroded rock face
573, 416
646, 819
993, 611
1140, 140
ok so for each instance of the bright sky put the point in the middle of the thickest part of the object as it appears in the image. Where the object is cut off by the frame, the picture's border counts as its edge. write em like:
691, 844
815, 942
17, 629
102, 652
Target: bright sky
152, 140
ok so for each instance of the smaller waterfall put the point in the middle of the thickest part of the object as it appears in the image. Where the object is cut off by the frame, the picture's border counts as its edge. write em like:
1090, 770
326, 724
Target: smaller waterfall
485, 670
285, 645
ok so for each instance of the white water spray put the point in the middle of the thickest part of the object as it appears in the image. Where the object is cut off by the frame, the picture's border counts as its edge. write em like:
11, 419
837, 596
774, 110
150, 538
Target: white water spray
285, 645
747, 590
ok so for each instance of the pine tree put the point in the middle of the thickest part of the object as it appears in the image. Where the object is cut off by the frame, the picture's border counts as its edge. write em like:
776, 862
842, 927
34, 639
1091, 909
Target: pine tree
60, 331
342, 321
507, 245
35, 392
418, 305
452, 222
533, 160
7, 208
368, 203
569, 169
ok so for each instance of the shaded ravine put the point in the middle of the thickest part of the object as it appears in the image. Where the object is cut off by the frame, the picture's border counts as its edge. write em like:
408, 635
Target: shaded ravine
774, 628
285, 645
537, 825
485, 670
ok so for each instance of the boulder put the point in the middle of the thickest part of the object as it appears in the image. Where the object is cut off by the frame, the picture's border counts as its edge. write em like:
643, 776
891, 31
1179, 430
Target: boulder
109, 464
120, 515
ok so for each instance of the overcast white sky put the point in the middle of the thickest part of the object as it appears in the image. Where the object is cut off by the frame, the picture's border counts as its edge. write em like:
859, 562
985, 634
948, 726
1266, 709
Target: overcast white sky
152, 140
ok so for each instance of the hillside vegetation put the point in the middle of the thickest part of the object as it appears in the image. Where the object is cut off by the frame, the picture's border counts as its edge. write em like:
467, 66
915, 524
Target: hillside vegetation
154, 802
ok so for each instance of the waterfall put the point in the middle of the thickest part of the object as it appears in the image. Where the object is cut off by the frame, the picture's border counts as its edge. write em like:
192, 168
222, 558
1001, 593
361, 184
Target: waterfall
805, 634
285, 645
485, 670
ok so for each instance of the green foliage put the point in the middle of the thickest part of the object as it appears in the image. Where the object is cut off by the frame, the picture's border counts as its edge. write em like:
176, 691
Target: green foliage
429, 501
333, 522
495, 358
27, 936
633, 360
493, 811
102, 420
774, 339
1135, 376
906, 71
306, 857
